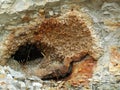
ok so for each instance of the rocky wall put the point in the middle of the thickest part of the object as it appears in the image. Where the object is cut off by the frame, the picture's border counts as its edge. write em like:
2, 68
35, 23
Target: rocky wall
76, 41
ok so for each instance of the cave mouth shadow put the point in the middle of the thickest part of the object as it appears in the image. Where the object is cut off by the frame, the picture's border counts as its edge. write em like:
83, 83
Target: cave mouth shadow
27, 52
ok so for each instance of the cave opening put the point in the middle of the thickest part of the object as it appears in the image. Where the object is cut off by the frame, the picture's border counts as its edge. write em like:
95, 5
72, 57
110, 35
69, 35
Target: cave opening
27, 52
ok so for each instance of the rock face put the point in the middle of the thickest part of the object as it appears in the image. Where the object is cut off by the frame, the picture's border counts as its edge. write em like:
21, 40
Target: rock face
76, 41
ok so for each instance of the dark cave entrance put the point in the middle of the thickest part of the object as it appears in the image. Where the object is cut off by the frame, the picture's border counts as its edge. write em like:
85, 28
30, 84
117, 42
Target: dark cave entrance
27, 52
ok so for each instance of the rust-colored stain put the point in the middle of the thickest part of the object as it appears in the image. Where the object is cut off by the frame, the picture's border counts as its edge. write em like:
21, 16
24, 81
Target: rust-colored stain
63, 40
81, 72
114, 65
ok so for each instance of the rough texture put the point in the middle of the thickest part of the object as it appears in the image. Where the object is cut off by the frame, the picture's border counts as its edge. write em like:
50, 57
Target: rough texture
77, 33
62, 40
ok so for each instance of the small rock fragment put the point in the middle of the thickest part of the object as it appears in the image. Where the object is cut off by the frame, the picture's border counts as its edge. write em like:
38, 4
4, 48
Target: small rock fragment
37, 85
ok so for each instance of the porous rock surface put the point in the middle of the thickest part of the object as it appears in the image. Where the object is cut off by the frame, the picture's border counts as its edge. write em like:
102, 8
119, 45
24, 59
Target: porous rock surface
81, 33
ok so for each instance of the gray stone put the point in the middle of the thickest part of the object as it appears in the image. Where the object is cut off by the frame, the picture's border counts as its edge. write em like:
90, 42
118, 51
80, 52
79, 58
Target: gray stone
11, 87
37, 85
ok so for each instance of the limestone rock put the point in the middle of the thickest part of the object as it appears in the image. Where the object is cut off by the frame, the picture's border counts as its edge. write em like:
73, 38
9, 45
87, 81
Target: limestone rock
78, 38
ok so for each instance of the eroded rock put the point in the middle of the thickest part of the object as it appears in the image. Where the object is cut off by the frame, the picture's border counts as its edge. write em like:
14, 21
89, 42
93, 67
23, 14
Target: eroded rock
69, 35
61, 40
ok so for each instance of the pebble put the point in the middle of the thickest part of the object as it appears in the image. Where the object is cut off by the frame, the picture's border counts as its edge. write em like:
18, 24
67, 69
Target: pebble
37, 85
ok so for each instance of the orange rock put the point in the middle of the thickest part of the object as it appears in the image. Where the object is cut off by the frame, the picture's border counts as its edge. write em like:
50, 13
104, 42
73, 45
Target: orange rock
82, 71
